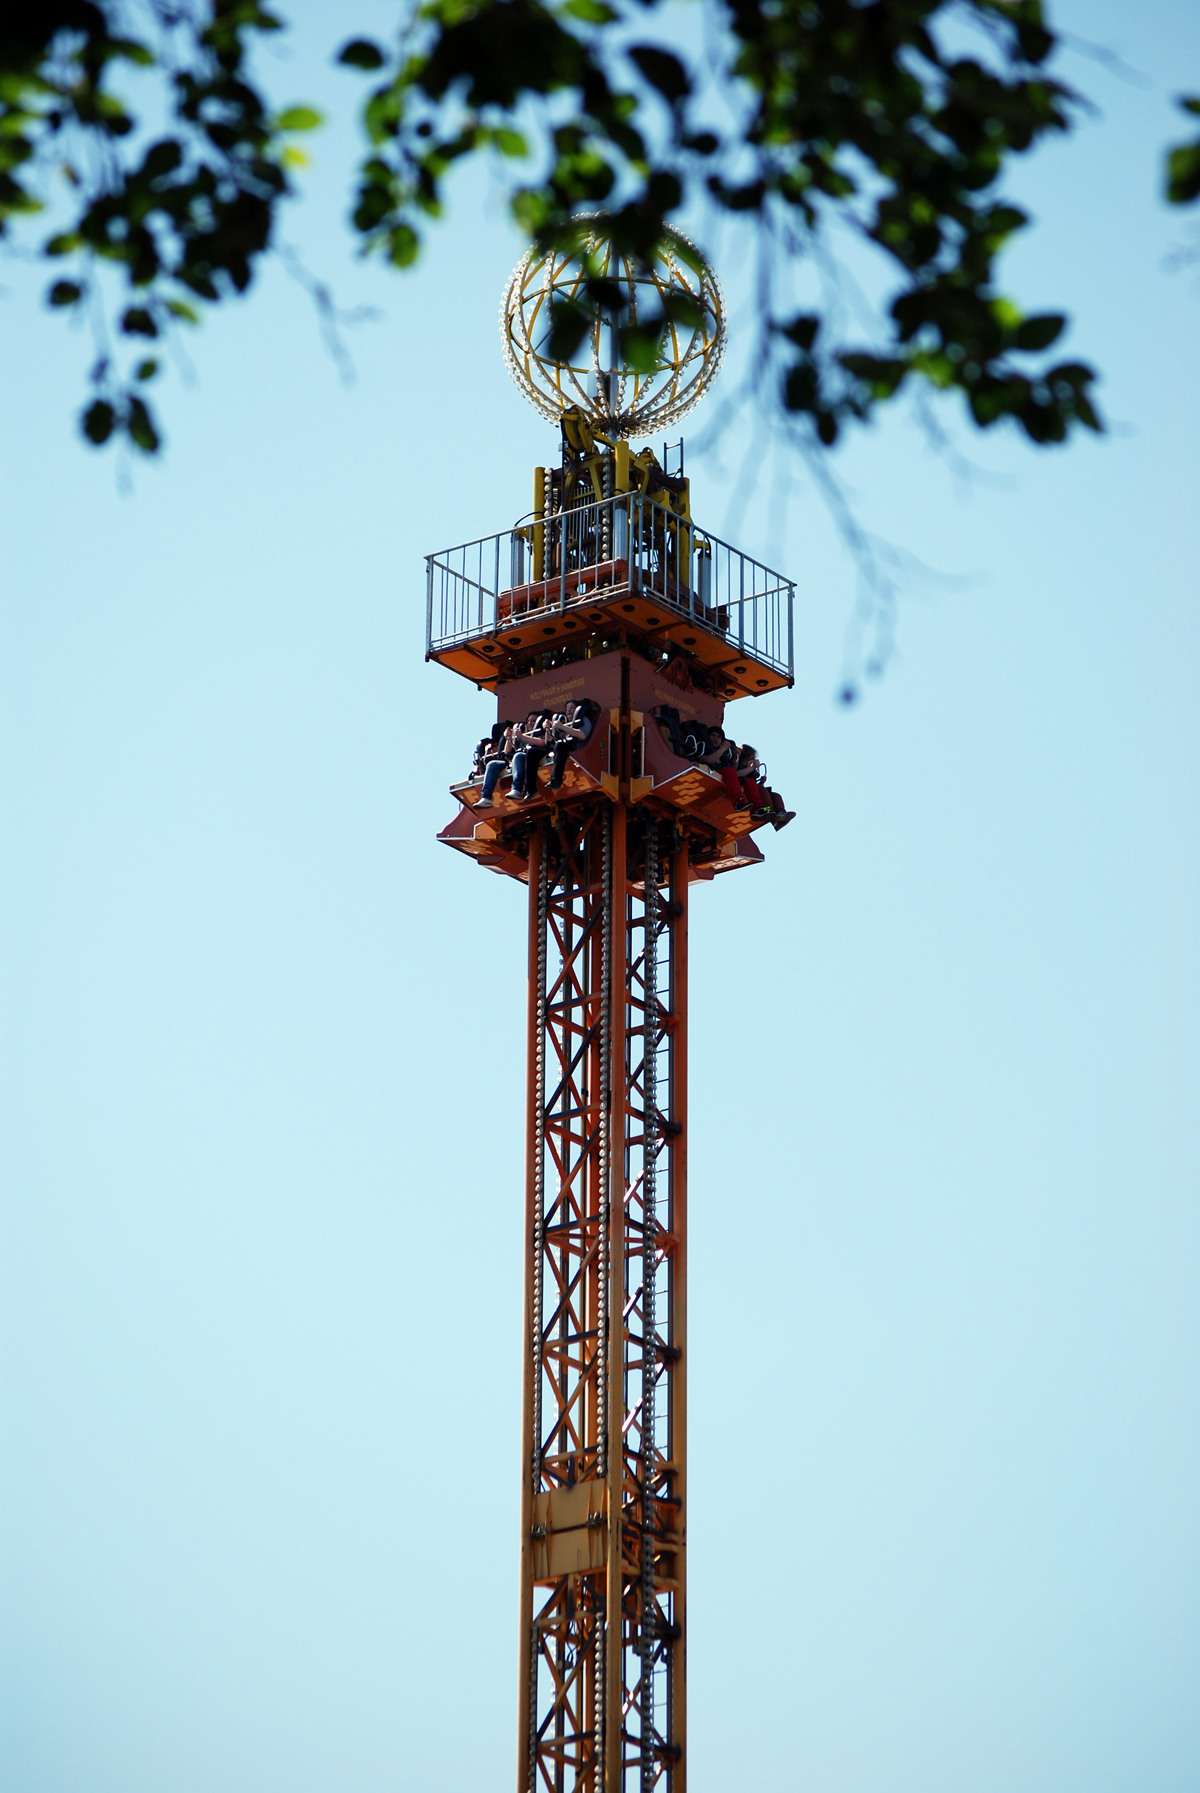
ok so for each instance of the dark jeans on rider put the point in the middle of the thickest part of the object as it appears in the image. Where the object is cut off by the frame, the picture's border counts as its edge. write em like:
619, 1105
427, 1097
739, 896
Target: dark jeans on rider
526, 761
493, 773
562, 753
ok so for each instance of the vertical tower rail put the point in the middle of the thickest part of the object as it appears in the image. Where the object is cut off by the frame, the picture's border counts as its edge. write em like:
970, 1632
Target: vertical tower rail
602, 1699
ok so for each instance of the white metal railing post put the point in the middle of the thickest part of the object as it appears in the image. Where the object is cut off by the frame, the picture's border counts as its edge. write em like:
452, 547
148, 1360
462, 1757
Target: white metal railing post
495, 589
428, 604
669, 539
562, 559
639, 546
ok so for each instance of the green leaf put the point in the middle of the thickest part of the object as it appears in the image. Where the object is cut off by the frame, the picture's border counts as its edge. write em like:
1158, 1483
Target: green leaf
138, 322
662, 70
162, 157
98, 421
1086, 413
802, 330
1001, 222
569, 323
530, 207
361, 53
1039, 332
641, 348
132, 51
65, 292
687, 253
591, 12
882, 375
140, 425
800, 387
179, 308
1183, 174
681, 308
403, 245
509, 143
1077, 374
147, 369
299, 118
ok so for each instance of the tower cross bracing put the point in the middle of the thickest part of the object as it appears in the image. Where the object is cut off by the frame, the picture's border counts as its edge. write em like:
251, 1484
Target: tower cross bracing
603, 1580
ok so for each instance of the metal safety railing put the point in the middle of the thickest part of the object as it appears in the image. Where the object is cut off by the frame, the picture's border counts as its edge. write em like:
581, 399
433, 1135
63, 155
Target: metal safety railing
625, 544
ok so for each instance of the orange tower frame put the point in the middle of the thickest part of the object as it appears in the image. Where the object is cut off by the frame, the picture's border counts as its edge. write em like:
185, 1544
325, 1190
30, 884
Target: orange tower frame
610, 596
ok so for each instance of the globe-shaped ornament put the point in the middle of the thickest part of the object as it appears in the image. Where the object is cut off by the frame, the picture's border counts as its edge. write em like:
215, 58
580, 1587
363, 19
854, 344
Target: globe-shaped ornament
619, 400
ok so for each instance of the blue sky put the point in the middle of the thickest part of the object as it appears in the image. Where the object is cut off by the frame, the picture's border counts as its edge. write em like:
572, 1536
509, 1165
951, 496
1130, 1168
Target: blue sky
263, 1064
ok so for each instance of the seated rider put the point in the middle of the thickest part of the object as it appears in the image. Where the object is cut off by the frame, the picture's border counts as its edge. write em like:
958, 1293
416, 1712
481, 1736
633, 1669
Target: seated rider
498, 764
776, 814
568, 727
766, 804
721, 755
484, 751
745, 779
751, 775
532, 745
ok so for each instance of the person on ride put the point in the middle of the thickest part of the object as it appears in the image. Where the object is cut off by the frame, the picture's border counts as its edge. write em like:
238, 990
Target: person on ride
497, 765
766, 805
722, 756
777, 815
721, 753
751, 774
533, 743
569, 726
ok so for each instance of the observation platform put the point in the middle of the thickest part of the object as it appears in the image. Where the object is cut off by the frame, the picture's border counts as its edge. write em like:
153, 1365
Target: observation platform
623, 571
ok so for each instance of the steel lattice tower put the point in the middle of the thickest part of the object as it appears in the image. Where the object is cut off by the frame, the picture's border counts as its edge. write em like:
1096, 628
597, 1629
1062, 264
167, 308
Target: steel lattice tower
610, 598
605, 1415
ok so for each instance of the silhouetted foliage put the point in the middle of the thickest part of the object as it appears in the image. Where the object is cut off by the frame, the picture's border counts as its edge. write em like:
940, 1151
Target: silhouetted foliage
847, 117
1183, 163
185, 216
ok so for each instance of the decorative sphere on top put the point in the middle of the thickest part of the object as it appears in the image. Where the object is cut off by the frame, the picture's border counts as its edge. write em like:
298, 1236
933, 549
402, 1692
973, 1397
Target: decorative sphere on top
621, 399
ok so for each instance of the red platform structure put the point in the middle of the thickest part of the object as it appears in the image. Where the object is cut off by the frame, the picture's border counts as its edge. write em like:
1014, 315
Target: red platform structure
609, 595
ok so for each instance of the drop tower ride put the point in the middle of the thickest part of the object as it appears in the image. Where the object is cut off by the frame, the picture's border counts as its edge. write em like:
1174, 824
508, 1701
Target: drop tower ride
608, 596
